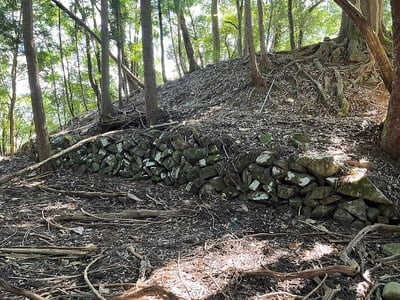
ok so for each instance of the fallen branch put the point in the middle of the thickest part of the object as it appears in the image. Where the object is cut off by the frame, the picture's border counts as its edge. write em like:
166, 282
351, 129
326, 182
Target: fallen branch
306, 274
18, 291
126, 214
31, 168
90, 194
77, 251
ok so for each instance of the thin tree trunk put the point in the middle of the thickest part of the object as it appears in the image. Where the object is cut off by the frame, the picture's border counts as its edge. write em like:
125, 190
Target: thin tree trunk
193, 66
177, 61
13, 99
271, 11
161, 28
215, 31
126, 70
291, 25
239, 12
65, 81
78, 59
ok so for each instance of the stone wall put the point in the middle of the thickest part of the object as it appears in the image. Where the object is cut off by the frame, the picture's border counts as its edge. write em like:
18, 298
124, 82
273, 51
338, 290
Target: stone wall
318, 186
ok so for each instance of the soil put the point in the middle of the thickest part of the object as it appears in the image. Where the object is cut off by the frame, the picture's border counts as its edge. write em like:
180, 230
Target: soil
203, 247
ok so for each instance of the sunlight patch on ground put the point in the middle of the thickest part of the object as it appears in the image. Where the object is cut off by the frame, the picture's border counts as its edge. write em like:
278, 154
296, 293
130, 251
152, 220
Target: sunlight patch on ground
318, 251
208, 271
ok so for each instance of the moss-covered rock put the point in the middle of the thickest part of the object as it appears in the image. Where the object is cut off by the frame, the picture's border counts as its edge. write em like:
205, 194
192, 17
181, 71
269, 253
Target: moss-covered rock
361, 187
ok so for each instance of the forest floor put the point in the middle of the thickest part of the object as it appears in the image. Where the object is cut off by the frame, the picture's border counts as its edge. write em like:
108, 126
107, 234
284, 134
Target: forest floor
204, 247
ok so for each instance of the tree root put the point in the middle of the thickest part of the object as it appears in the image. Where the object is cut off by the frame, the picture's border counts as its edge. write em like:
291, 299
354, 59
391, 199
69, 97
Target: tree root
340, 98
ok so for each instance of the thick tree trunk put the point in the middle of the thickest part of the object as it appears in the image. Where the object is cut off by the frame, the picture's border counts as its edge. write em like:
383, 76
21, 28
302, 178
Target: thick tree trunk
390, 140
372, 10
372, 40
39, 117
150, 88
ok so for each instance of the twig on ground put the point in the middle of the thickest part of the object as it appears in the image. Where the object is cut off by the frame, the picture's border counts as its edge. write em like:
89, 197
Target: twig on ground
316, 288
77, 251
121, 216
18, 291
274, 294
306, 274
85, 276
180, 275
89, 194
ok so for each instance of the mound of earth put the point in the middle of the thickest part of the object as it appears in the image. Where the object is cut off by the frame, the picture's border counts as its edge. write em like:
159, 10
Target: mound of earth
65, 235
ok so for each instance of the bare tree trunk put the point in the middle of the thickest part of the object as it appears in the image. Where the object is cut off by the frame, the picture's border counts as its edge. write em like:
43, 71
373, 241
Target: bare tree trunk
264, 61
161, 28
215, 31
239, 11
39, 117
13, 99
150, 89
390, 139
193, 66
106, 105
255, 73
291, 25
177, 61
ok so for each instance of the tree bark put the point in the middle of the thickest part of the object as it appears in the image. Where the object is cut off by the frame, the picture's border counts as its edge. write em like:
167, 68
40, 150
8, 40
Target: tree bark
215, 31
106, 106
150, 88
255, 73
264, 60
239, 12
291, 24
39, 117
193, 66
372, 40
390, 139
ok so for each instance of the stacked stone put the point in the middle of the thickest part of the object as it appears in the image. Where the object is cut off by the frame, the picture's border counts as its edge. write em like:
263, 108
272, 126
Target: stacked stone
316, 186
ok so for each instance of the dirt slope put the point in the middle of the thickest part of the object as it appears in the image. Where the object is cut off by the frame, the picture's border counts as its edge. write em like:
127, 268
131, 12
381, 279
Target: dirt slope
201, 248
